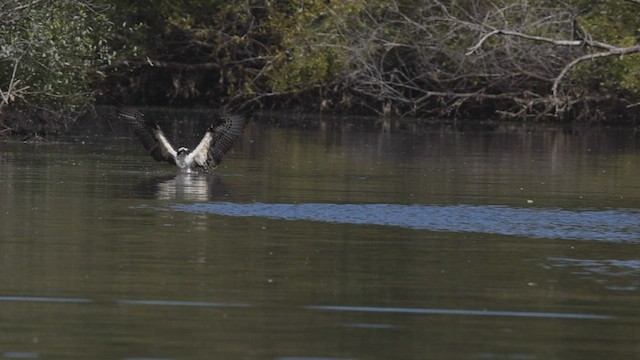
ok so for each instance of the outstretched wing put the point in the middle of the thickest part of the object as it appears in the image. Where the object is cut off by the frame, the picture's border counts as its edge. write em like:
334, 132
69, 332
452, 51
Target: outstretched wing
149, 133
217, 141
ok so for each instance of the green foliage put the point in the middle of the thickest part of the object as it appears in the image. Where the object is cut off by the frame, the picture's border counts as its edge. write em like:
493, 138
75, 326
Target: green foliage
612, 21
615, 22
312, 49
216, 36
406, 54
54, 47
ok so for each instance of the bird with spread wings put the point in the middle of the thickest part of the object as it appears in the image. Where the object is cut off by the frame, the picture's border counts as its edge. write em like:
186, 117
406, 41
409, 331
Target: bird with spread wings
215, 143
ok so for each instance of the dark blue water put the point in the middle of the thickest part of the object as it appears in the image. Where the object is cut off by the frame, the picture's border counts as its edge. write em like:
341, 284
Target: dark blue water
615, 225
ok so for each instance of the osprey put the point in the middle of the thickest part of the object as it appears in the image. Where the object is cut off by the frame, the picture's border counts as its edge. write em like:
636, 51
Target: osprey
218, 139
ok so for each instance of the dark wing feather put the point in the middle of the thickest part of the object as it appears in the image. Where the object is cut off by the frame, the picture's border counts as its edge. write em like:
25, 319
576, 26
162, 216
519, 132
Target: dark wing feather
224, 135
149, 133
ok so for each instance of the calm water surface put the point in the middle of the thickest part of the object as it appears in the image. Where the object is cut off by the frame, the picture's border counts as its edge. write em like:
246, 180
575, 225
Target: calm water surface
324, 242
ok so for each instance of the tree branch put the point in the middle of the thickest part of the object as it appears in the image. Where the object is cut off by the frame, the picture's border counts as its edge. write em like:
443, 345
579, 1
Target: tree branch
613, 52
24, 6
180, 66
590, 43
162, 64
6, 97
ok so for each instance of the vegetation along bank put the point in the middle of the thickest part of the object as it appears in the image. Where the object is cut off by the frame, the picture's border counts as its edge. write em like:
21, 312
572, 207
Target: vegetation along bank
575, 60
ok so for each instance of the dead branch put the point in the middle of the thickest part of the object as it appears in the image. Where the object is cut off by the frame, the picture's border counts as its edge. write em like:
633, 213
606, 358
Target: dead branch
615, 51
163, 64
24, 6
611, 51
9, 95
590, 43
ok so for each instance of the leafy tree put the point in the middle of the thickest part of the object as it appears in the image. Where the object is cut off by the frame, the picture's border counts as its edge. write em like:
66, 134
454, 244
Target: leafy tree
514, 58
49, 51
191, 51
615, 22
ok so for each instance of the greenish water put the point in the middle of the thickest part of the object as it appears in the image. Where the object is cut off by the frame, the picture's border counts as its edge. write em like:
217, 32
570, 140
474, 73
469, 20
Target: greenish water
325, 242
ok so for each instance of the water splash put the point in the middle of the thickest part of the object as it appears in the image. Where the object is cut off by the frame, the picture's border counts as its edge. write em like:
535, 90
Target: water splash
621, 225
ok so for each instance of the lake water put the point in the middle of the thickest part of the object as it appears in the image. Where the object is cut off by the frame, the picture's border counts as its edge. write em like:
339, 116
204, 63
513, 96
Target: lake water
324, 241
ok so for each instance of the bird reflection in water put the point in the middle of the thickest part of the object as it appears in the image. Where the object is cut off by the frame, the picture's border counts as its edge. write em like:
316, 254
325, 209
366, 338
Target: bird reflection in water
190, 187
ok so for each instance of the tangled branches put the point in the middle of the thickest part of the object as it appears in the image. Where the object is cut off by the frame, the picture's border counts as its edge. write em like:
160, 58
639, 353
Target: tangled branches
475, 59
471, 58
607, 50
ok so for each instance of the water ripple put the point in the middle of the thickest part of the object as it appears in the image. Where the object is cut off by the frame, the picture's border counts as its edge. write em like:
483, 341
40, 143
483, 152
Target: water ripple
620, 225
19, 355
44, 299
368, 309
529, 314
613, 274
180, 303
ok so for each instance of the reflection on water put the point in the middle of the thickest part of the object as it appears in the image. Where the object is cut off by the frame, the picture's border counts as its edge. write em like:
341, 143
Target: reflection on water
328, 242
188, 187
605, 225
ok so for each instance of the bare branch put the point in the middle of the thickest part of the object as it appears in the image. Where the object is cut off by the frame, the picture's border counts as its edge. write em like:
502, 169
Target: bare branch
22, 7
613, 52
162, 64
591, 43
6, 97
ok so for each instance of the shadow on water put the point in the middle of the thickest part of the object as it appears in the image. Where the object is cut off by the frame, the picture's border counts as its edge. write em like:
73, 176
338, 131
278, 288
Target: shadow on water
618, 225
